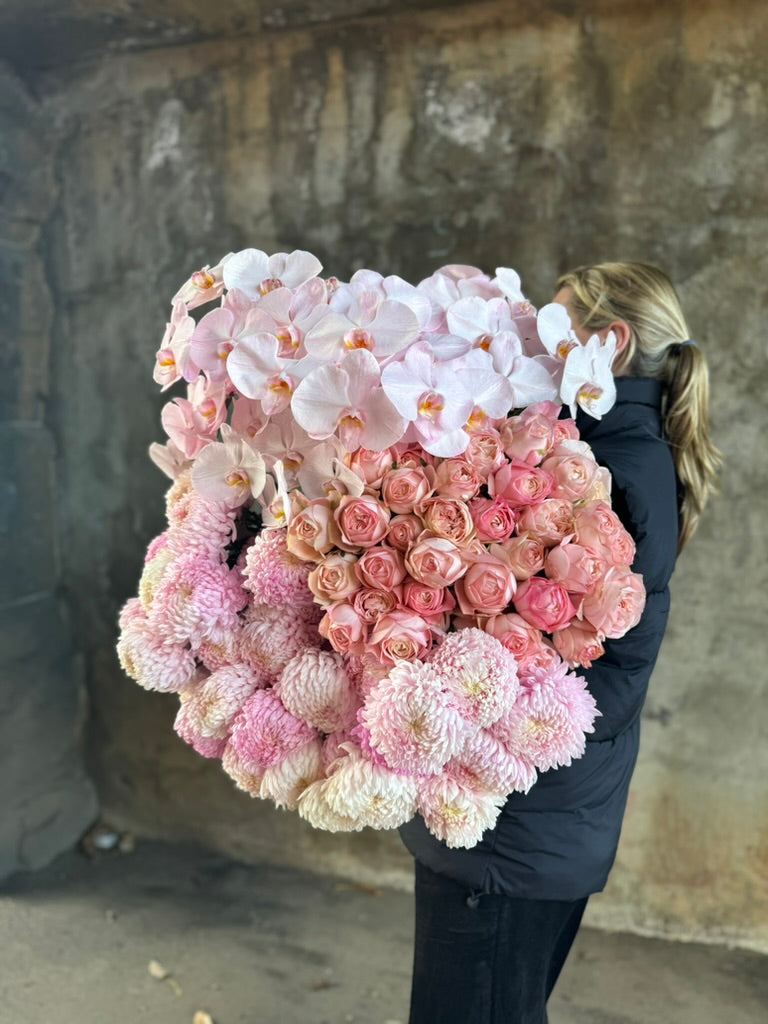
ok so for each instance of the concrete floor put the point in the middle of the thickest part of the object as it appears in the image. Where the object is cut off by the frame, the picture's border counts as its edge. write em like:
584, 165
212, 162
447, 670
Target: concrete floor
263, 945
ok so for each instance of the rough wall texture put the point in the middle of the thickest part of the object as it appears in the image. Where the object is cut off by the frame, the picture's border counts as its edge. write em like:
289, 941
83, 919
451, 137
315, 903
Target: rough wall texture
534, 135
46, 799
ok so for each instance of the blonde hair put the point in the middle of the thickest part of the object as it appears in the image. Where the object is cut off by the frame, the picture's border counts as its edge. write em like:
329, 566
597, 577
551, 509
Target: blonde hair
659, 347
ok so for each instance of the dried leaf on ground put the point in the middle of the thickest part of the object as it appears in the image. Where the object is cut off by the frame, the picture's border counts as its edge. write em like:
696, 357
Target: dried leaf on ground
157, 970
201, 1017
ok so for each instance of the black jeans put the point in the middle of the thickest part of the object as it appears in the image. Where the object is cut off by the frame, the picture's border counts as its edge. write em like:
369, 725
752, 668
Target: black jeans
486, 959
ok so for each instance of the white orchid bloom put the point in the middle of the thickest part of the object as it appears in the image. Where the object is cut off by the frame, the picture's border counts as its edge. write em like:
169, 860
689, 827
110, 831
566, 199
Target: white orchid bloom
255, 273
587, 378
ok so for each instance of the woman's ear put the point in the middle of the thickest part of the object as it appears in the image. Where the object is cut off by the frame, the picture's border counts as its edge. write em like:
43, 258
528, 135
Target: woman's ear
621, 329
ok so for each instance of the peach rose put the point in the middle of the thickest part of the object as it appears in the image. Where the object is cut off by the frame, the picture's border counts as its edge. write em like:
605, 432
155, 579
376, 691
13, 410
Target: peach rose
403, 531
402, 489
520, 484
343, 628
524, 555
371, 466
518, 636
457, 478
371, 604
564, 430
574, 475
494, 519
435, 561
449, 518
334, 579
412, 454
616, 603
598, 527
578, 644
485, 452
312, 532
363, 521
401, 636
551, 521
381, 568
486, 588
574, 567
527, 438
546, 605
427, 601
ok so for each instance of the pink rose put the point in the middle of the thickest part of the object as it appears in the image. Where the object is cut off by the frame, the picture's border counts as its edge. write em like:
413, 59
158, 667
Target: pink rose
371, 604
401, 489
381, 568
486, 588
524, 555
551, 521
457, 478
434, 561
546, 605
312, 532
363, 521
449, 518
401, 636
598, 527
574, 475
527, 438
564, 430
518, 636
485, 452
427, 601
520, 484
343, 628
616, 603
578, 644
494, 519
412, 454
371, 466
334, 578
403, 531
574, 567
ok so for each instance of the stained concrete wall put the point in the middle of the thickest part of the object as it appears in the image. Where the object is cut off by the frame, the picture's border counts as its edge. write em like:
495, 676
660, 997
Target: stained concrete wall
536, 135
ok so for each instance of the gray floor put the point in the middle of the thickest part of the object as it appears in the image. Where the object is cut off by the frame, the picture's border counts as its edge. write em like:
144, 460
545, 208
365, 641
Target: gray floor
270, 946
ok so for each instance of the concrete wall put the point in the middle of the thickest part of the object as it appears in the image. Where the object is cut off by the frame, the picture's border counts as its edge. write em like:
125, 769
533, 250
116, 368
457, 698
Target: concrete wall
537, 135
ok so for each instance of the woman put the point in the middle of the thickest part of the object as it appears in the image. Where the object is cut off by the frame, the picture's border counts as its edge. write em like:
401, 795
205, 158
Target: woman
494, 924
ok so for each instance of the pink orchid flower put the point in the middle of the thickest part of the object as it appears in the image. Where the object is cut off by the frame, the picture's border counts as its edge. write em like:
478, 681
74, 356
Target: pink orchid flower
259, 371
290, 313
203, 286
255, 273
229, 470
216, 336
168, 458
173, 359
371, 323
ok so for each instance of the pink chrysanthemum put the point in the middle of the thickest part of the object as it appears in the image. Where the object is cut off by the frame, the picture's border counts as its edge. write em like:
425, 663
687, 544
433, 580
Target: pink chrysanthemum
314, 686
272, 636
156, 545
411, 721
264, 731
314, 807
285, 781
206, 746
333, 747
205, 530
213, 704
179, 490
246, 777
549, 719
489, 761
196, 600
223, 651
153, 574
362, 738
153, 664
131, 612
456, 812
479, 672
365, 794
274, 575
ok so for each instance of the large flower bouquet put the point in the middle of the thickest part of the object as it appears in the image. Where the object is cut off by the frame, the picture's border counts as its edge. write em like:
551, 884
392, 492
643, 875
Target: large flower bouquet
386, 551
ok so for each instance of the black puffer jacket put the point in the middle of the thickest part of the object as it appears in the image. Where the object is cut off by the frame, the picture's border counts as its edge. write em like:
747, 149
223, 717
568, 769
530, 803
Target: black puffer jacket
559, 841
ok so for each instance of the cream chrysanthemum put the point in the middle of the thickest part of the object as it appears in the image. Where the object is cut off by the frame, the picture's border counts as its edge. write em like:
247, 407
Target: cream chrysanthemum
495, 767
245, 775
218, 698
153, 664
369, 794
314, 686
152, 576
206, 746
456, 812
285, 781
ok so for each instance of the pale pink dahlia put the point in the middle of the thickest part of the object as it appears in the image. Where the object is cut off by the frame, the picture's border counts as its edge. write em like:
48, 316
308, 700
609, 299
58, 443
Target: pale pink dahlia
206, 746
549, 719
270, 637
489, 761
264, 731
206, 529
217, 699
456, 812
315, 687
245, 776
285, 781
274, 575
196, 600
479, 672
153, 664
411, 721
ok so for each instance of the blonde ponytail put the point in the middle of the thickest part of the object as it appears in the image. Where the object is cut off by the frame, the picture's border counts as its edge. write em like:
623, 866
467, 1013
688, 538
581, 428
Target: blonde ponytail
659, 346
